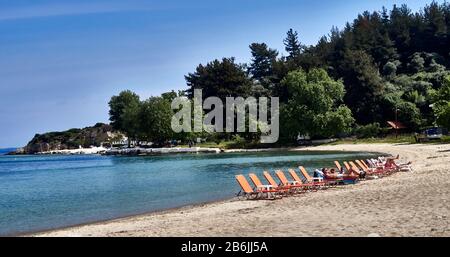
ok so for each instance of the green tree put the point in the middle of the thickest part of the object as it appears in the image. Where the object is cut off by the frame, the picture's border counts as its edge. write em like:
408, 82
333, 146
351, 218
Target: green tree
169, 96
364, 86
155, 116
443, 114
263, 59
292, 44
117, 106
219, 78
130, 121
390, 69
441, 105
417, 63
313, 106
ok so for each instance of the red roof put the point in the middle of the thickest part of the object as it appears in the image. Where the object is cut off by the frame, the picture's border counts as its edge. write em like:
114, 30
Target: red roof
396, 125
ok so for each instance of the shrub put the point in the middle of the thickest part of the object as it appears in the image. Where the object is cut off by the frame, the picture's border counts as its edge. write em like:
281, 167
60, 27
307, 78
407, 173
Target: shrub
367, 131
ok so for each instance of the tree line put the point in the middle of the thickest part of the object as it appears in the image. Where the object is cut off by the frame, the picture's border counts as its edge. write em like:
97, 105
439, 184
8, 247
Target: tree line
385, 65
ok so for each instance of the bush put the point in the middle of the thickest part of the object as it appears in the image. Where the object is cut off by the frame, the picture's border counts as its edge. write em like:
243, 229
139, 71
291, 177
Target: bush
367, 131
238, 142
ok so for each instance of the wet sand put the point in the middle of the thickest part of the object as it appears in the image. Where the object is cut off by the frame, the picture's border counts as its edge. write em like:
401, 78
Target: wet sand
404, 204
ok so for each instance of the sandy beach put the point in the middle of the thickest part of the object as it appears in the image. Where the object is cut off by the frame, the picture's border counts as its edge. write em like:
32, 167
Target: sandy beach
404, 204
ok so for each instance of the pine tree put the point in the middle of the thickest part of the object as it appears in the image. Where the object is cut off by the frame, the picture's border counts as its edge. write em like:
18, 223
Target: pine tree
219, 78
292, 44
263, 59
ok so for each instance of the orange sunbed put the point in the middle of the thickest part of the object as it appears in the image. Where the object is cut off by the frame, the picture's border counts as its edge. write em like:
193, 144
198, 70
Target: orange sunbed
369, 170
286, 182
272, 182
338, 165
247, 191
364, 164
353, 165
259, 187
310, 179
296, 178
347, 166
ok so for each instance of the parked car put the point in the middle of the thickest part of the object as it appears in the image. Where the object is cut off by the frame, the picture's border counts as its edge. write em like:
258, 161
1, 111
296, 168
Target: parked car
429, 134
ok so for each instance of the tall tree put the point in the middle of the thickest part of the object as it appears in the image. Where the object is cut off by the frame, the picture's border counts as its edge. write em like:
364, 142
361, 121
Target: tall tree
364, 85
131, 122
292, 44
400, 30
263, 59
117, 106
314, 106
219, 78
441, 104
155, 116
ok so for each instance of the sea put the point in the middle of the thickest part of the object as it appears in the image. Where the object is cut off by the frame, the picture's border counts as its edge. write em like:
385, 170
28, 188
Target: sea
44, 192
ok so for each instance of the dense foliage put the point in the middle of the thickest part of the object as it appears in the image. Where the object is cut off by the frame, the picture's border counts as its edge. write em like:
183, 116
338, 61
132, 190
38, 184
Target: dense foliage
384, 65
313, 107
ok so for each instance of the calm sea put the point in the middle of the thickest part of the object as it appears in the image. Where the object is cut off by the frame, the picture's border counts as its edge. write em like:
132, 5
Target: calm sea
45, 192
6, 150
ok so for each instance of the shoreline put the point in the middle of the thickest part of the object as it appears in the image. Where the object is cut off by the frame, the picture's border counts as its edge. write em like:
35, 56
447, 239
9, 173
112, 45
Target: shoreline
175, 221
136, 151
136, 215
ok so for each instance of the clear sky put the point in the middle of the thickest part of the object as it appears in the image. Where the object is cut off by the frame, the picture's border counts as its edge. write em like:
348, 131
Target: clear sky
61, 61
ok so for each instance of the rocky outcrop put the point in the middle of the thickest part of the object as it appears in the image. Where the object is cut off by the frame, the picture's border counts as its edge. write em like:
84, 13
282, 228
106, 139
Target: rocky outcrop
71, 139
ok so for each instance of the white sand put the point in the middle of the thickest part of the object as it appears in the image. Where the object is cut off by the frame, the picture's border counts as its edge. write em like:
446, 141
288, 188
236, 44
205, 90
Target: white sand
404, 204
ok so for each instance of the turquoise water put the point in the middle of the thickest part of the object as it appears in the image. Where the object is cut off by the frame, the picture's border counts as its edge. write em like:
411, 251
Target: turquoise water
45, 192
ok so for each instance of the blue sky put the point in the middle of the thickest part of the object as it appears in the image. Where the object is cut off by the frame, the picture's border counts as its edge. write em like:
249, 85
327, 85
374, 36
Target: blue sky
61, 61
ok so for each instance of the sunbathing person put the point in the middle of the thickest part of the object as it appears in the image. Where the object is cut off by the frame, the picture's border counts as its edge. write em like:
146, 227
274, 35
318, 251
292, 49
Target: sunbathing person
375, 164
332, 174
318, 174
391, 164
328, 174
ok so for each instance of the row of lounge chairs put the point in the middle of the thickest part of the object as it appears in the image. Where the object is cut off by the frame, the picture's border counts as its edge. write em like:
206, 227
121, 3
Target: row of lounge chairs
297, 184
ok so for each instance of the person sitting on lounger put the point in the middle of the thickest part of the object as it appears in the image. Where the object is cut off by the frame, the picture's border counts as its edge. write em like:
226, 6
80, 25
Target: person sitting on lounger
391, 164
331, 174
318, 174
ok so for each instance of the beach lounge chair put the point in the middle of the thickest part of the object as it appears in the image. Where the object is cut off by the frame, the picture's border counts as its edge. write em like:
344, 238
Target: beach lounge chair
369, 171
272, 182
379, 167
376, 164
353, 165
315, 181
347, 166
345, 179
297, 186
270, 189
248, 193
338, 165
360, 169
298, 180
364, 164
